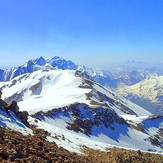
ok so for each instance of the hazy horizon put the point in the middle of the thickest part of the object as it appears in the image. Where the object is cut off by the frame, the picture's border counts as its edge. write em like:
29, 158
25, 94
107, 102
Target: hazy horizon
91, 33
111, 65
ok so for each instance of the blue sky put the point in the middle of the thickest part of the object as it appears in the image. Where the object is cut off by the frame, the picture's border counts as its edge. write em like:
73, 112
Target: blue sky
88, 32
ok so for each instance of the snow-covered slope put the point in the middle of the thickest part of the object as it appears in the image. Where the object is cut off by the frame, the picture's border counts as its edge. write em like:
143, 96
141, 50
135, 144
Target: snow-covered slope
53, 88
147, 93
102, 138
77, 111
45, 89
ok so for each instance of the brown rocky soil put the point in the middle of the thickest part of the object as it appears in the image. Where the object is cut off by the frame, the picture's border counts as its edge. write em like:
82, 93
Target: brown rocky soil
15, 147
118, 155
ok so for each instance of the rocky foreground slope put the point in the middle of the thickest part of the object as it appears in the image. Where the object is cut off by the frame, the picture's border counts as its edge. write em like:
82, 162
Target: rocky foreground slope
15, 147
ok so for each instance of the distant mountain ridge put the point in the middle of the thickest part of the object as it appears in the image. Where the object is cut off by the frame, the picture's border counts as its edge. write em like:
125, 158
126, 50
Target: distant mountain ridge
147, 93
132, 65
36, 64
129, 73
101, 76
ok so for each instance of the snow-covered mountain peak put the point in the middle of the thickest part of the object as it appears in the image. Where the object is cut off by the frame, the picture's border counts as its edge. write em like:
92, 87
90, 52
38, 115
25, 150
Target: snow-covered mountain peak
46, 88
54, 58
40, 61
37, 64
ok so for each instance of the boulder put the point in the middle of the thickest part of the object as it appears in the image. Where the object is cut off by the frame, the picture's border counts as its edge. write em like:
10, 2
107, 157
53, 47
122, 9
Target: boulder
13, 107
24, 117
3, 104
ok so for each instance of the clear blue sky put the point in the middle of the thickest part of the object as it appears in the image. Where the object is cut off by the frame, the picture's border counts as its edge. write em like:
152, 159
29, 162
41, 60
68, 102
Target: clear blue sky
89, 32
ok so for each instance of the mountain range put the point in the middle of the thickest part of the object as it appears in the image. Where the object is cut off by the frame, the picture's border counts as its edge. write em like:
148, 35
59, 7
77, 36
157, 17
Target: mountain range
132, 65
77, 112
71, 104
125, 74
98, 75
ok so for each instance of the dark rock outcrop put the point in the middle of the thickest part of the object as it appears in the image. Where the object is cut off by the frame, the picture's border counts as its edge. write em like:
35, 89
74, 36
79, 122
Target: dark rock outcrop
3, 104
23, 116
13, 107
86, 118
0, 94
